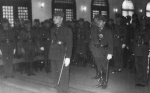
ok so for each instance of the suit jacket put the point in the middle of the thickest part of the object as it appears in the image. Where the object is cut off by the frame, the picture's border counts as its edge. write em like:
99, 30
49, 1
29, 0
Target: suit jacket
61, 34
101, 42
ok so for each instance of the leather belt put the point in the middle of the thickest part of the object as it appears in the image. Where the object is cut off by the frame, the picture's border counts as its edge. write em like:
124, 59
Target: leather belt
102, 46
6, 41
45, 39
28, 40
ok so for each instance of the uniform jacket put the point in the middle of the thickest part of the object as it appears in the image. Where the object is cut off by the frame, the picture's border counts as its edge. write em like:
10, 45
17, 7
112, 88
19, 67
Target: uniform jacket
120, 35
139, 48
28, 39
7, 40
99, 39
81, 39
61, 34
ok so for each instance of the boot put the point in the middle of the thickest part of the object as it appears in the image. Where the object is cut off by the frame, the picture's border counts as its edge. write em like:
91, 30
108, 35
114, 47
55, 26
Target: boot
100, 81
31, 68
105, 80
47, 68
97, 74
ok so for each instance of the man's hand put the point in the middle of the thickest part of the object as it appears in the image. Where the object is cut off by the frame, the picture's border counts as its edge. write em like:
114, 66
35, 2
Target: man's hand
109, 56
22, 50
123, 45
67, 62
14, 51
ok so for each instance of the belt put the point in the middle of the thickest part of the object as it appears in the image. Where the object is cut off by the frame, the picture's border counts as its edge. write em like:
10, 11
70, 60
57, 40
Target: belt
102, 46
45, 39
119, 37
28, 40
142, 43
6, 41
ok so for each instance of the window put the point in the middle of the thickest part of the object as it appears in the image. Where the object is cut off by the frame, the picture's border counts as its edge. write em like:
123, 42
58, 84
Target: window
66, 6
148, 10
23, 13
13, 9
8, 13
127, 8
99, 7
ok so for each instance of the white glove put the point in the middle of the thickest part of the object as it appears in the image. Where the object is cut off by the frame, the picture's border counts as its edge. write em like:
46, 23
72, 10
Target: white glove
109, 56
123, 45
0, 52
42, 48
14, 51
67, 62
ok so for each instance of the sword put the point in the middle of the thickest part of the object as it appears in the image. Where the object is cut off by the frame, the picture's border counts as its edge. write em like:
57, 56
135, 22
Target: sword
148, 65
61, 69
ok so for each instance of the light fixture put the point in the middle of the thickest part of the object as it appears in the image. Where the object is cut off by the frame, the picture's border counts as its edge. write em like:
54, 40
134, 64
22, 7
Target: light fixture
83, 8
115, 10
42, 4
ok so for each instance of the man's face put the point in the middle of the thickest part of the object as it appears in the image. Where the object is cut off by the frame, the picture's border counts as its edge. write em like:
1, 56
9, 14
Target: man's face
81, 22
36, 24
17, 23
118, 19
5, 25
47, 25
28, 26
57, 19
100, 23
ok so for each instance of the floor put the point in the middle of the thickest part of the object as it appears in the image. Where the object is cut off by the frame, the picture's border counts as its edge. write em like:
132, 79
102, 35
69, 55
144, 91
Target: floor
80, 82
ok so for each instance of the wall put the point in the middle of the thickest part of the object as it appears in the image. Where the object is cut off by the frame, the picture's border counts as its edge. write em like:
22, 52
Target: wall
41, 13
44, 13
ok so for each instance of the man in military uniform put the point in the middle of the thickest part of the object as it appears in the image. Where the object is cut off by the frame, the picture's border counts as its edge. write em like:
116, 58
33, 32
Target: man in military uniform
16, 30
60, 53
102, 48
45, 40
7, 46
119, 42
141, 51
28, 43
81, 43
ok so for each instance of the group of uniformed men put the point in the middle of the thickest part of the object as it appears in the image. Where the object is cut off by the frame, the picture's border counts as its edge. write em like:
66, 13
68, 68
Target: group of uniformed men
79, 42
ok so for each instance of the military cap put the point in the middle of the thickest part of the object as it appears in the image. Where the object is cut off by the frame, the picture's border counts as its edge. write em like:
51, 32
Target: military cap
100, 17
118, 15
17, 20
111, 20
47, 21
135, 15
27, 22
59, 13
81, 19
4, 20
36, 20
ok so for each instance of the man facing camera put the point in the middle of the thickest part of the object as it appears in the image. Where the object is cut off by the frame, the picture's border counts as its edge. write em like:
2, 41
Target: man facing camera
60, 53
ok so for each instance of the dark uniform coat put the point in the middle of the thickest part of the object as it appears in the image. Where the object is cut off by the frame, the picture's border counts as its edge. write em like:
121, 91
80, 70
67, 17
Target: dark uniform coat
7, 45
61, 46
141, 51
101, 44
28, 43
